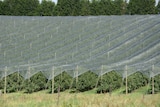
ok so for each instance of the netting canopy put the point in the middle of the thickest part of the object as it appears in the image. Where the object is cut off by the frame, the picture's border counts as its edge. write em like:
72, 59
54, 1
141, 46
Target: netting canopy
51, 45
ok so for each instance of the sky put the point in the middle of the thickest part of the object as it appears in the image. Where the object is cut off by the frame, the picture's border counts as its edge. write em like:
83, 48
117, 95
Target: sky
57, 0
52, 0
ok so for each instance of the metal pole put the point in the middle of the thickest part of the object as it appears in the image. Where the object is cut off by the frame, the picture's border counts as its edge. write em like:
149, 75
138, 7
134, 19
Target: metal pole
53, 75
18, 80
52, 79
5, 80
101, 76
29, 73
126, 68
152, 80
101, 73
76, 76
152, 85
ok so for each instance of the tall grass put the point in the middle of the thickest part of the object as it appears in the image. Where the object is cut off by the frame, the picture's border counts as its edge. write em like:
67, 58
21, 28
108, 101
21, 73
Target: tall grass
42, 99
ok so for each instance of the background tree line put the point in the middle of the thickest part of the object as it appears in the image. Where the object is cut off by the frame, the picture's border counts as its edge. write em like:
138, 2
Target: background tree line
77, 7
88, 81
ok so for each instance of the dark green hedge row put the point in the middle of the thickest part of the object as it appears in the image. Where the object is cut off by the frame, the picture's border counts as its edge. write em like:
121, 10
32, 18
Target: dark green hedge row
156, 85
77, 7
87, 81
109, 82
136, 81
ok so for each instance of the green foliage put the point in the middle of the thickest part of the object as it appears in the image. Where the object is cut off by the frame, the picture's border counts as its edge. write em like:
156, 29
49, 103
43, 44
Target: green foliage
36, 83
62, 82
20, 7
158, 8
94, 7
86, 82
85, 8
106, 7
141, 7
68, 7
156, 84
109, 82
119, 7
1, 8
46, 8
77, 7
136, 81
14, 83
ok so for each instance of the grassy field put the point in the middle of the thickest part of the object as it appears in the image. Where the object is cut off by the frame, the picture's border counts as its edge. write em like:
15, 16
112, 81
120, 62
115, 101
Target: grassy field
86, 99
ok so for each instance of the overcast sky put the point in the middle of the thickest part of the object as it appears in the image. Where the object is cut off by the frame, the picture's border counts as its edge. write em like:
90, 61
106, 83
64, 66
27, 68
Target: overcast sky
57, 0
52, 0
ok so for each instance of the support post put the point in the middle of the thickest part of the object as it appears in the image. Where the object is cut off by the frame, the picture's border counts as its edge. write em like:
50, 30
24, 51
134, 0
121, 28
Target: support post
61, 76
126, 70
52, 80
152, 85
101, 75
101, 72
29, 73
28, 76
152, 80
5, 80
55, 55
76, 76
59, 89
18, 80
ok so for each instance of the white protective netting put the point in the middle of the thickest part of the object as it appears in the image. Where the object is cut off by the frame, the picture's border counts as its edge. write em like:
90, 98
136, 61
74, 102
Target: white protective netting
52, 45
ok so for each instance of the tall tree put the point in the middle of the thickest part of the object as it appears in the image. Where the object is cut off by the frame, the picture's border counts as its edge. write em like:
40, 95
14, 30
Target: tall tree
20, 7
119, 7
149, 7
94, 7
46, 8
9, 7
141, 7
1, 8
158, 7
68, 7
106, 7
77, 8
85, 7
